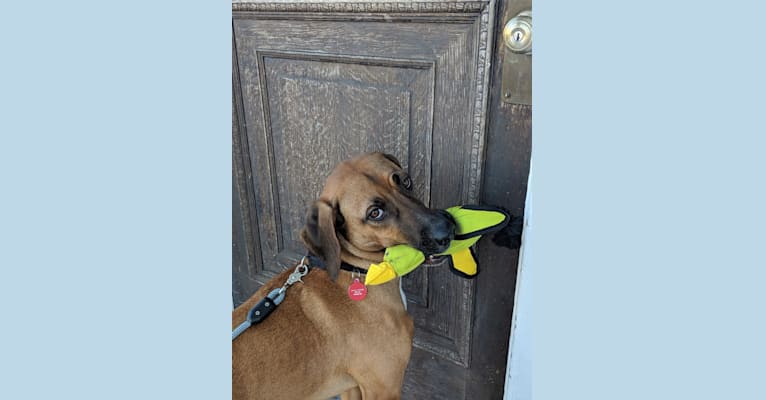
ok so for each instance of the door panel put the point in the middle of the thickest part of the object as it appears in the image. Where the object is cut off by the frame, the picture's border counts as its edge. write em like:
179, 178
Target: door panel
321, 110
316, 83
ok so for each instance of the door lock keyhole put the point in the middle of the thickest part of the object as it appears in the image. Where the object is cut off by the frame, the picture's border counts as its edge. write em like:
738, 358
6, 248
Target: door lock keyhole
517, 33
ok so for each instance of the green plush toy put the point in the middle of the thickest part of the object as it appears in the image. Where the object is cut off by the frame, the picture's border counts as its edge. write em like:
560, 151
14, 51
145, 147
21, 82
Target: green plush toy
472, 222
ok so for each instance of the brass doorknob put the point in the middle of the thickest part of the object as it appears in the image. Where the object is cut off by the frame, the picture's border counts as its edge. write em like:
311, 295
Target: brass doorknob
517, 33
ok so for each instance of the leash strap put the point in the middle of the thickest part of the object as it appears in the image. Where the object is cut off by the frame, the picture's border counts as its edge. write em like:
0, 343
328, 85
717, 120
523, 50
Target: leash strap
266, 306
260, 311
239, 329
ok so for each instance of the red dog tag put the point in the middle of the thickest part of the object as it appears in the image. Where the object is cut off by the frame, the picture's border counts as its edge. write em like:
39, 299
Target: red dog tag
356, 290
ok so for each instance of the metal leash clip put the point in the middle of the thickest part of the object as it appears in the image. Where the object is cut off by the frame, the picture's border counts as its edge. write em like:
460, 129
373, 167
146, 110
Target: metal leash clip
300, 271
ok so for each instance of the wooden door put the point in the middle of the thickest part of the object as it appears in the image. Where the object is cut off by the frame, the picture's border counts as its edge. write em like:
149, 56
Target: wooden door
315, 83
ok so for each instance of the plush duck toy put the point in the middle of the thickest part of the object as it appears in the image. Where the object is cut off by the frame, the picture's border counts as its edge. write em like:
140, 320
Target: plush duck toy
472, 222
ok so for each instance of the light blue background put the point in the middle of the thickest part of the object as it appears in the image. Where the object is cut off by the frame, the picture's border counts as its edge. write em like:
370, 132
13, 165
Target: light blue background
115, 168
115, 216
648, 158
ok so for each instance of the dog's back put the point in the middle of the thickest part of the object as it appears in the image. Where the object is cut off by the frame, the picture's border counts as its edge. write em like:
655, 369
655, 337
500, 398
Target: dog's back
284, 356
309, 346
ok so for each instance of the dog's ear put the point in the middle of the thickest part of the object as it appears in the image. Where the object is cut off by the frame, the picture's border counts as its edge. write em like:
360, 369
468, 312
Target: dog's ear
392, 159
320, 235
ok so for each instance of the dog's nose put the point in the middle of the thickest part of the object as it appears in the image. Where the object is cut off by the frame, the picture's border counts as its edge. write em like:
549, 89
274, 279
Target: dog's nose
442, 241
443, 232
445, 228
440, 233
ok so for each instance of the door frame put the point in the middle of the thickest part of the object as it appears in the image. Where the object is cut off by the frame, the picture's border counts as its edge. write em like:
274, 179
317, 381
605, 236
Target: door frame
518, 371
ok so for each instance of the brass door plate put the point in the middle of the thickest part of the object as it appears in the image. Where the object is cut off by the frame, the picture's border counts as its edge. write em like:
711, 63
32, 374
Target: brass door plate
517, 78
516, 82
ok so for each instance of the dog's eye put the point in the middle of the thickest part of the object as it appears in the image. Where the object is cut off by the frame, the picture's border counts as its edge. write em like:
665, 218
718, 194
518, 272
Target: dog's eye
376, 214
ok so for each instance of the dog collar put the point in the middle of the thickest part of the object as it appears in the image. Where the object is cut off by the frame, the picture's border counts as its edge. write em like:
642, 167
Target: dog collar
315, 261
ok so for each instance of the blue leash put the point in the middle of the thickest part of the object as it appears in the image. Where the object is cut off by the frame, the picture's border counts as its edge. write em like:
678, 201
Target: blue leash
260, 311
268, 304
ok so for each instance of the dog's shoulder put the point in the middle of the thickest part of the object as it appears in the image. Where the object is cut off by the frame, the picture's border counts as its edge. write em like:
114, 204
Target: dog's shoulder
315, 290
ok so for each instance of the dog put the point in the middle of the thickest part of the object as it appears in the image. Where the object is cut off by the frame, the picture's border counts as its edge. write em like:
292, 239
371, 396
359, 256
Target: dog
319, 342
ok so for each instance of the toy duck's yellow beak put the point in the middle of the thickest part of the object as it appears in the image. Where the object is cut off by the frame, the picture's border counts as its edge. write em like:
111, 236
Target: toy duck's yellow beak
398, 260
379, 273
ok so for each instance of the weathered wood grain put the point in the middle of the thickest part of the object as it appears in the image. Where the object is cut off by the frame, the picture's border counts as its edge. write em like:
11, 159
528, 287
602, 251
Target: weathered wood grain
246, 252
349, 119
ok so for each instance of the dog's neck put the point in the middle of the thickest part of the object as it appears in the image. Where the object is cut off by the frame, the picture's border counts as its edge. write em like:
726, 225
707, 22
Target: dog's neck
390, 295
357, 257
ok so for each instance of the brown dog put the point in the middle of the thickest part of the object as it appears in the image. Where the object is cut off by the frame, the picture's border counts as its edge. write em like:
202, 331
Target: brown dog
319, 343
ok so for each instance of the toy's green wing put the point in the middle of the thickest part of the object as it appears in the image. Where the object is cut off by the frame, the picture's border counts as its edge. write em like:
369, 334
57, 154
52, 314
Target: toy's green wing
477, 220
472, 222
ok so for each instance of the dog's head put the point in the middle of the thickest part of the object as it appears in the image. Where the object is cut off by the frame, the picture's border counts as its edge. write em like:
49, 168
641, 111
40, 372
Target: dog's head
367, 205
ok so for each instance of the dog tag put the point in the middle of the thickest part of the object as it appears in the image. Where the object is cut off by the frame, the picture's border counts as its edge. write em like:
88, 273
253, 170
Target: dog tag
356, 290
